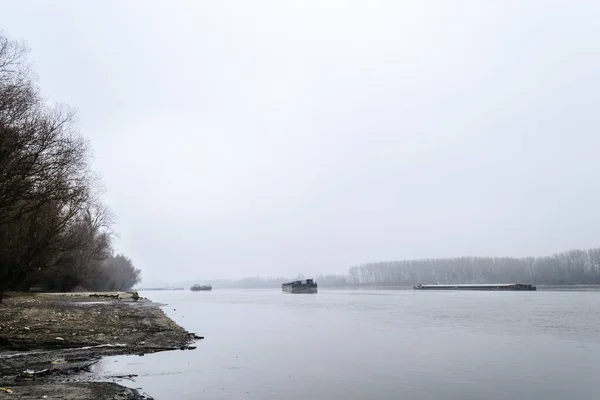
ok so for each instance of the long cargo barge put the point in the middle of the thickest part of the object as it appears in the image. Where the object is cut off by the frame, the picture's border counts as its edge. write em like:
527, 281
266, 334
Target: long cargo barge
492, 286
300, 286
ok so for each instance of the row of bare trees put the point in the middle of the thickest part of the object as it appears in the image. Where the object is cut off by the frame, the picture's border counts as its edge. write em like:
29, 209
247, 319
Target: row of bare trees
54, 230
574, 267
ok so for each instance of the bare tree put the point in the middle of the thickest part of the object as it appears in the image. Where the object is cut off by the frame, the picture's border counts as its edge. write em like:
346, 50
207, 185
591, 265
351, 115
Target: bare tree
53, 226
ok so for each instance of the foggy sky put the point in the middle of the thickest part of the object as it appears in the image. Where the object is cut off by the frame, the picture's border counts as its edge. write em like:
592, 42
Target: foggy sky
242, 138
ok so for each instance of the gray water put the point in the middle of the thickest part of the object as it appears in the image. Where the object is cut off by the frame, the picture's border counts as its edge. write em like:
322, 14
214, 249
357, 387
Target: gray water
375, 344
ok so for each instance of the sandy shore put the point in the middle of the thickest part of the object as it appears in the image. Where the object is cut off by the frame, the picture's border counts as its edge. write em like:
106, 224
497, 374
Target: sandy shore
47, 339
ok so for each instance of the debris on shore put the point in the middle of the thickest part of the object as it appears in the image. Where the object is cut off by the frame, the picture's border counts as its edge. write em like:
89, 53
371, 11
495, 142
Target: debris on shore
46, 337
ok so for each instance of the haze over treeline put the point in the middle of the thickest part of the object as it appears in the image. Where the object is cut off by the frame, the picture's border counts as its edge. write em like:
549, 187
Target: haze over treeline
55, 230
573, 267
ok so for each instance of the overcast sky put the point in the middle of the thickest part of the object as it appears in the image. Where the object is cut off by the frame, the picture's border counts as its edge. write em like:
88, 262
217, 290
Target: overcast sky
277, 137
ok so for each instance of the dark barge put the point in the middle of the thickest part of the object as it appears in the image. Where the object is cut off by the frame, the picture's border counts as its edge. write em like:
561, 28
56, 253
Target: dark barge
300, 286
197, 288
493, 286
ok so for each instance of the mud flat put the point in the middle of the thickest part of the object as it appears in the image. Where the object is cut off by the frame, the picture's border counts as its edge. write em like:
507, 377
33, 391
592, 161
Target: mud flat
48, 342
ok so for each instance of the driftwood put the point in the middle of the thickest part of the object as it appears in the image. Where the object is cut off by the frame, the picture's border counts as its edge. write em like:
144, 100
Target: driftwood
127, 376
71, 369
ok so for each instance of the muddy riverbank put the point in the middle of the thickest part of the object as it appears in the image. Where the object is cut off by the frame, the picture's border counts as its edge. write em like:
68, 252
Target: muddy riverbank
48, 342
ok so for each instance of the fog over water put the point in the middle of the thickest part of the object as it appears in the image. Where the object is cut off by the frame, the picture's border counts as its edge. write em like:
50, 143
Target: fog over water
334, 139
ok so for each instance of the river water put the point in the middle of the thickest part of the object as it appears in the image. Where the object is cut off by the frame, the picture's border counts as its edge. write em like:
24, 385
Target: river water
376, 344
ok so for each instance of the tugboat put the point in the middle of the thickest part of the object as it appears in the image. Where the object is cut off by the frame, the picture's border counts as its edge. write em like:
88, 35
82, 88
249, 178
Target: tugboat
197, 288
300, 286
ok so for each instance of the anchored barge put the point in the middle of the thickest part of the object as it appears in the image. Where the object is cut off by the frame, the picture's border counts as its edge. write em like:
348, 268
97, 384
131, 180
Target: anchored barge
494, 286
197, 288
306, 286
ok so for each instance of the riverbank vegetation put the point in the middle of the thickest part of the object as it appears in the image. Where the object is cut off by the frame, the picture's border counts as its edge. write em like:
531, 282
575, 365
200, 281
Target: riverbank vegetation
574, 267
55, 232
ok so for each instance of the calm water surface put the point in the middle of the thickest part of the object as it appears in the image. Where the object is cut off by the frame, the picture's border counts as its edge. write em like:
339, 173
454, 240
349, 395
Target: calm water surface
363, 344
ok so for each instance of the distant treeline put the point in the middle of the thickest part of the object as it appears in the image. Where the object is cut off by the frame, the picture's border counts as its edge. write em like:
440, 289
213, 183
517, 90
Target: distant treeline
55, 233
574, 267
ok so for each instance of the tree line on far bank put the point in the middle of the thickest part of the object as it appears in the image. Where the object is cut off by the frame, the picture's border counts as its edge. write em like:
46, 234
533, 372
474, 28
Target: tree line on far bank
55, 232
574, 267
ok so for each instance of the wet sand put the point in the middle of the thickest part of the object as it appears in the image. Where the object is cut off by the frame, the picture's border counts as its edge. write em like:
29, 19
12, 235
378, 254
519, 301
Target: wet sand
49, 341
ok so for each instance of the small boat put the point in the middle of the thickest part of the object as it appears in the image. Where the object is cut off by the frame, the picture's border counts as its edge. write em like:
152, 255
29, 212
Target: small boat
486, 286
197, 288
300, 286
